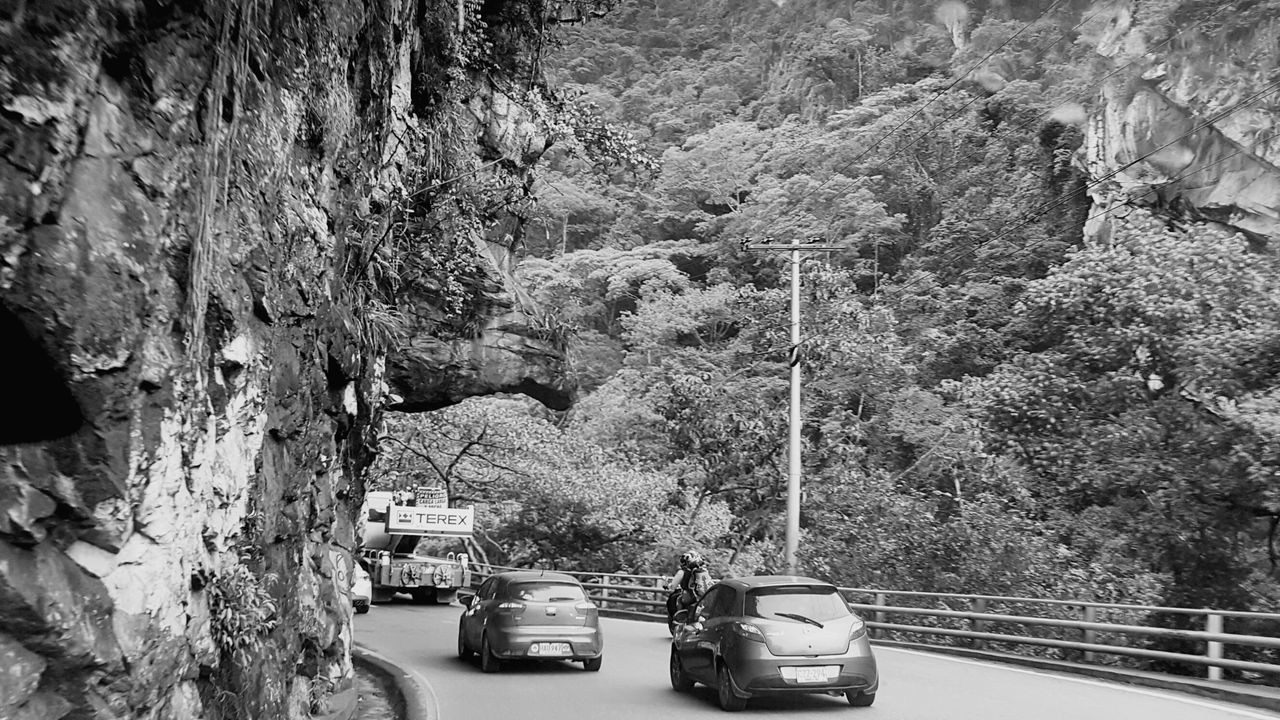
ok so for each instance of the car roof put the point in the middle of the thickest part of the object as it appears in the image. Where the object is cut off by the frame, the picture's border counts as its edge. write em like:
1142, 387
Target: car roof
758, 581
514, 576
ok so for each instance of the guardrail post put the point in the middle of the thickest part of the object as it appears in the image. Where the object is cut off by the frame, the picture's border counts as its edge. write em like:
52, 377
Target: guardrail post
1213, 624
978, 605
1090, 614
604, 591
660, 597
881, 601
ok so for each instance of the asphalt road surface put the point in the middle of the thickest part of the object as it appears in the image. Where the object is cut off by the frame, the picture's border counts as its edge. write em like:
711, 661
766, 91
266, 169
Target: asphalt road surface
633, 685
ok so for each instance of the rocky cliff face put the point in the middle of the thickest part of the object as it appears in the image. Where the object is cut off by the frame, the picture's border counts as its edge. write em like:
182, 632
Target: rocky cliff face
1190, 124
184, 190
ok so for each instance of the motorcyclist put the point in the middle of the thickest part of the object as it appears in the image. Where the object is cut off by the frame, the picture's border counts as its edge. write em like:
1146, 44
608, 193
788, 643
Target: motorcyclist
689, 584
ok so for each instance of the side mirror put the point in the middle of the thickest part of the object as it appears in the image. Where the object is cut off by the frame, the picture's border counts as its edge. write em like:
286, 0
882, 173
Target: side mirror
466, 600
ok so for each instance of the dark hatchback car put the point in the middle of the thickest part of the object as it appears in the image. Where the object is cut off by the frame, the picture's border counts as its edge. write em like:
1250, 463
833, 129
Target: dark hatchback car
530, 615
773, 634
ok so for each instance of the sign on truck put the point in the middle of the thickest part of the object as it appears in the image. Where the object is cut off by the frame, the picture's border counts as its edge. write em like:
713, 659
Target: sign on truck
409, 520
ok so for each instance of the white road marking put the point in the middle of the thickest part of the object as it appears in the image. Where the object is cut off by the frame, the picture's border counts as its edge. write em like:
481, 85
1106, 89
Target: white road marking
1168, 695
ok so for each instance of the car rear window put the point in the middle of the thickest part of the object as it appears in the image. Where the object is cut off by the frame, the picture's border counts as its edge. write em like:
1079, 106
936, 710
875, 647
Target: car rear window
814, 602
547, 592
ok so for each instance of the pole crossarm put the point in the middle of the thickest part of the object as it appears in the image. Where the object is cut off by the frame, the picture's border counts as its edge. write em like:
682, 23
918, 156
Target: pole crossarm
796, 246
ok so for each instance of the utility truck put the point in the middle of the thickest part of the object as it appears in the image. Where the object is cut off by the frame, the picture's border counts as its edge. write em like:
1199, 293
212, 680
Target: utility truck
394, 524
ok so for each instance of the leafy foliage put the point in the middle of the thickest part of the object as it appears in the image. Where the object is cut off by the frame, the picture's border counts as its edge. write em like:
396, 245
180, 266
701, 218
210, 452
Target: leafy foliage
546, 495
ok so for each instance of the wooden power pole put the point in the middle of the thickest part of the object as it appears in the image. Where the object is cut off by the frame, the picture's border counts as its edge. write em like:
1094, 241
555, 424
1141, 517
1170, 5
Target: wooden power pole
793, 455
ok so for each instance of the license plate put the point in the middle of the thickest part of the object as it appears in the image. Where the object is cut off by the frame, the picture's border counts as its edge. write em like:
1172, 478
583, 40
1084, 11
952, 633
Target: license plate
811, 674
550, 649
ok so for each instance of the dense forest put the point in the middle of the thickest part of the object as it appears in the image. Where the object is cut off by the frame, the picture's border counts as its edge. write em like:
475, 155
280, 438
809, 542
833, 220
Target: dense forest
1008, 388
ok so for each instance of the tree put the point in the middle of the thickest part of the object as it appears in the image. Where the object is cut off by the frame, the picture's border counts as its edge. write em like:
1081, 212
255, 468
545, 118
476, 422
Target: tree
1140, 343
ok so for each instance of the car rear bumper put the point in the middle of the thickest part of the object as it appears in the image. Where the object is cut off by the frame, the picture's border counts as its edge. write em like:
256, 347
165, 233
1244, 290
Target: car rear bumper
857, 672
587, 642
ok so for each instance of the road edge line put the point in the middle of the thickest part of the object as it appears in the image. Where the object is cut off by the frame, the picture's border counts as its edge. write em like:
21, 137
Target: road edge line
420, 702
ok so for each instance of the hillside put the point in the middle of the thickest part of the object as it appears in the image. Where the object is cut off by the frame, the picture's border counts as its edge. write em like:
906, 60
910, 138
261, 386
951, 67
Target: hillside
1043, 363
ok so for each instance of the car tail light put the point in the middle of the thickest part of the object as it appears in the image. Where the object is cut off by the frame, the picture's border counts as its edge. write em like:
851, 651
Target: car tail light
857, 629
748, 631
584, 606
511, 606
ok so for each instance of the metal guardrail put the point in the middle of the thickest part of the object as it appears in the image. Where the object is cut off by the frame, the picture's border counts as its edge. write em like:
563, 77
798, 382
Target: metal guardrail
1086, 632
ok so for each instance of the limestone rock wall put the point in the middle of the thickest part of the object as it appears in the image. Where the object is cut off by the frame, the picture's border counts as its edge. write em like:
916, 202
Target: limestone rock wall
178, 186
1197, 93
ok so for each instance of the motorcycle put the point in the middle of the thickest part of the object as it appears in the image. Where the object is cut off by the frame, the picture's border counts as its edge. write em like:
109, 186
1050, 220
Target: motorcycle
674, 606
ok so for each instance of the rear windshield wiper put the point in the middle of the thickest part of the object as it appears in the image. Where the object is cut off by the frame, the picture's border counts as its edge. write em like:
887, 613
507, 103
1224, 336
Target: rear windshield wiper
801, 618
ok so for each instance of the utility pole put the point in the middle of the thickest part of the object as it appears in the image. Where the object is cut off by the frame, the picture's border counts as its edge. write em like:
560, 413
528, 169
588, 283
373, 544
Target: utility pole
793, 455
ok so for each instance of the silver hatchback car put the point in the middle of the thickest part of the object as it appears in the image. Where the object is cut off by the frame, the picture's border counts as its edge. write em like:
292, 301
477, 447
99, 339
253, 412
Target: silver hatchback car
530, 615
773, 634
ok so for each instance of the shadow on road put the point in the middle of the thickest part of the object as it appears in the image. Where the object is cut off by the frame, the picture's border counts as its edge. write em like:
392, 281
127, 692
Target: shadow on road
518, 667
785, 703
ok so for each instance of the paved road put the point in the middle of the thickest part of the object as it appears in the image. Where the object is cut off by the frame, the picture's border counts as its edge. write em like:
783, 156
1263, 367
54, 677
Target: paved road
633, 684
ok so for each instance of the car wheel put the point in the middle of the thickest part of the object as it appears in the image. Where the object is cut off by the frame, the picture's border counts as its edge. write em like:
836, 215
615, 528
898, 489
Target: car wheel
680, 682
593, 664
858, 698
464, 652
488, 661
729, 701
362, 608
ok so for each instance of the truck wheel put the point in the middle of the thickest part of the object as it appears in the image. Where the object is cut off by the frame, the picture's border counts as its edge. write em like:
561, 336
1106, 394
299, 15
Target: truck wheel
423, 596
383, 596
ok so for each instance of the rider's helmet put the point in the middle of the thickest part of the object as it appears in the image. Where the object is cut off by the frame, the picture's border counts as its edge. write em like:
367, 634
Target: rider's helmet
691, 560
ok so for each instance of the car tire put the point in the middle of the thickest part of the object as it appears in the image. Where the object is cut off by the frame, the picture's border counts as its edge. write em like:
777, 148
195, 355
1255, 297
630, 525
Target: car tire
464, 652
362, 607
593, 664
729, 700
857, 698
488, 661
680, 682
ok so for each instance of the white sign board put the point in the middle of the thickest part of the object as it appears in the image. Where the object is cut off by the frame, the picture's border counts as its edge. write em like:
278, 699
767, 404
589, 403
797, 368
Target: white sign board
409, 520
436, 497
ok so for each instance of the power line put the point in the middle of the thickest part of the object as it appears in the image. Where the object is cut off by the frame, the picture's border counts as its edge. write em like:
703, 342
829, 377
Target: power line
906, 286
1008, 134
921, 109
1035, 213
975, 98
1095, 216
1047, 114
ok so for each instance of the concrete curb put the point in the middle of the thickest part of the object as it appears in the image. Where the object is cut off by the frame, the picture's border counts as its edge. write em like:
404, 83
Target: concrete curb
417, 698
1255, 696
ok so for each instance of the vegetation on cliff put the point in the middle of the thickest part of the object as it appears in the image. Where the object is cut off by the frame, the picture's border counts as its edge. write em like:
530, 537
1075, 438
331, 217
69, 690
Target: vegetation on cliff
217, 221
